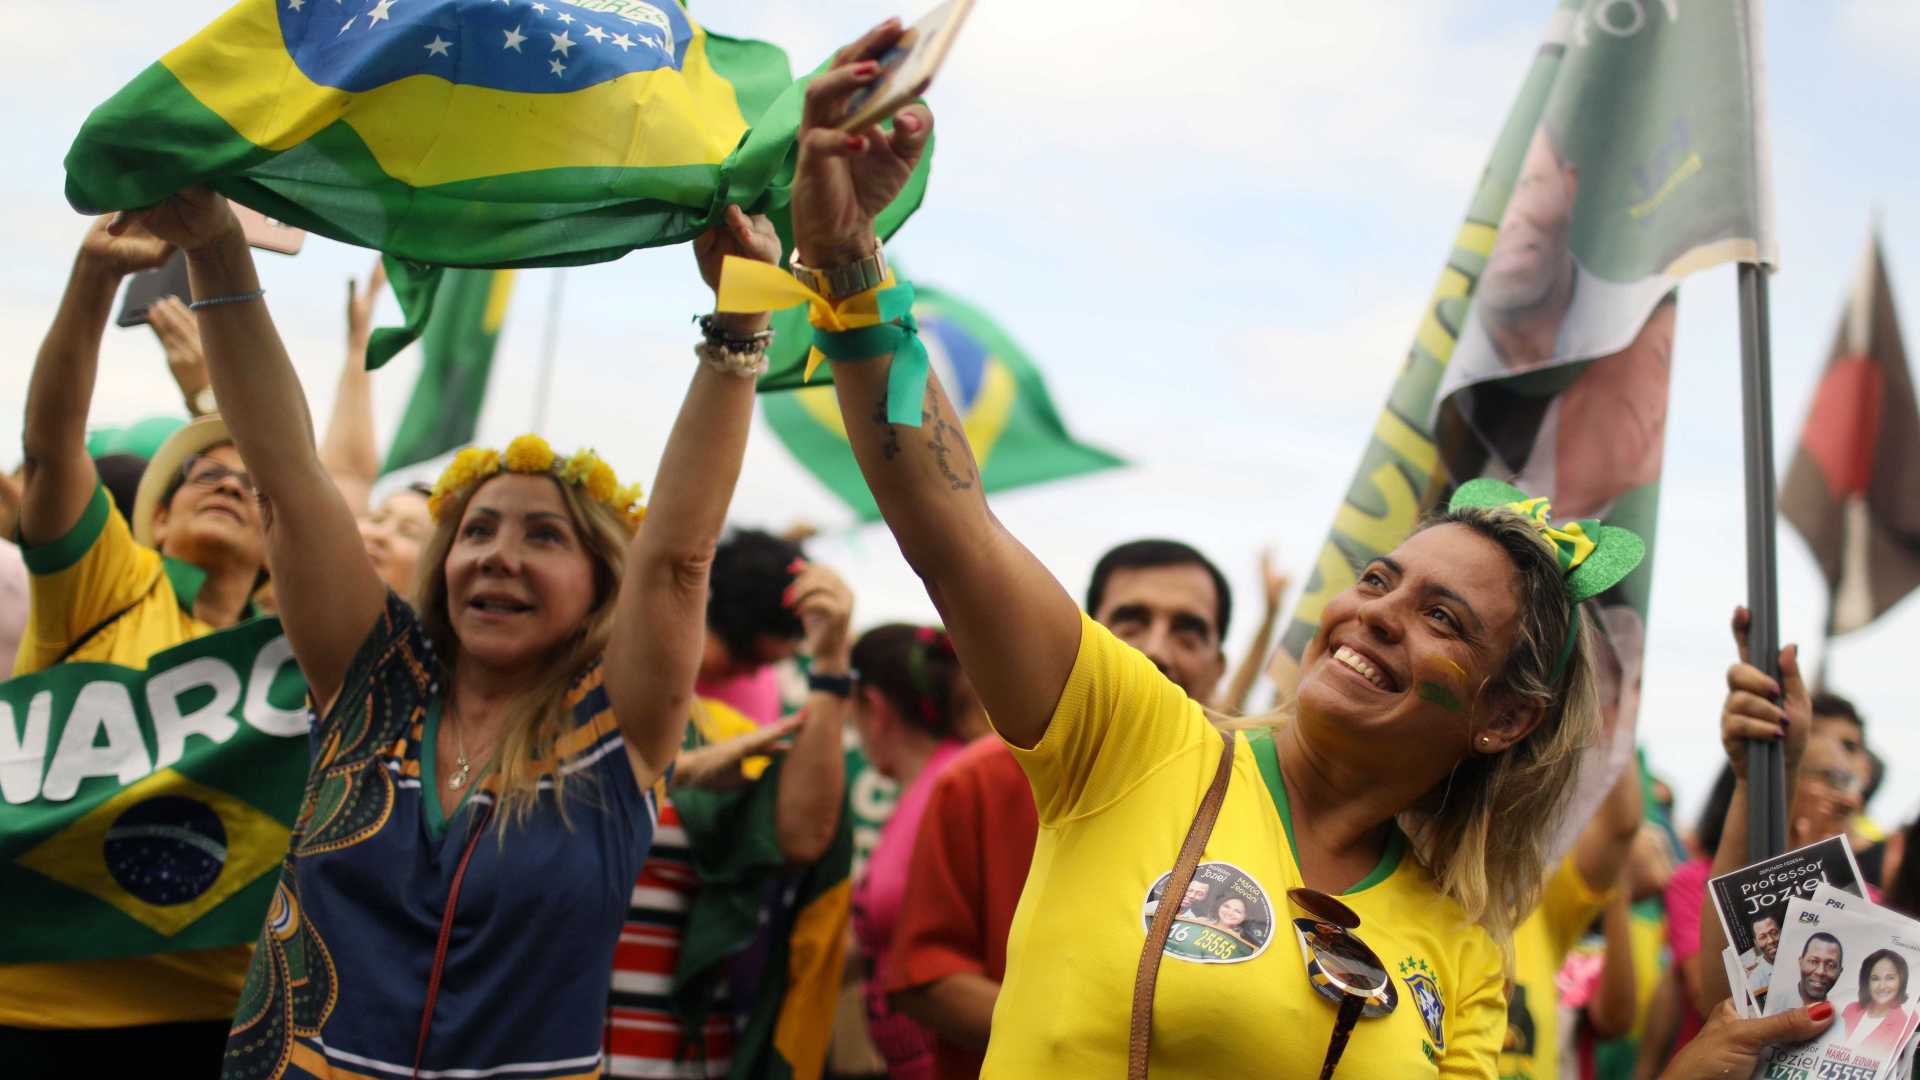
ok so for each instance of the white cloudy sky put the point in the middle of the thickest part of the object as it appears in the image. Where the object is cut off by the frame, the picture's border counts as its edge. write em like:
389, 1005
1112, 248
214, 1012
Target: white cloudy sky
1215, 227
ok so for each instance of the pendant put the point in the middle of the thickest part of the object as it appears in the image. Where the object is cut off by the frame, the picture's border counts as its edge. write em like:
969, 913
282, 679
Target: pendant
459, 780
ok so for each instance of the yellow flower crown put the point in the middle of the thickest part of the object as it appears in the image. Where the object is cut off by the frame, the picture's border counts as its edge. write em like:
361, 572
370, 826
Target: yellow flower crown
531, 454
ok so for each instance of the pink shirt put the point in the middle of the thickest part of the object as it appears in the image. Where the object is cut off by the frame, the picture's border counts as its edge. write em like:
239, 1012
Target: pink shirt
907, 1046
755, 696
1686, 899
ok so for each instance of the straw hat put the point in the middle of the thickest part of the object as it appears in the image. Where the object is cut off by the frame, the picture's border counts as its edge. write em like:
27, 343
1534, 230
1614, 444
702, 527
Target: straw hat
195, 438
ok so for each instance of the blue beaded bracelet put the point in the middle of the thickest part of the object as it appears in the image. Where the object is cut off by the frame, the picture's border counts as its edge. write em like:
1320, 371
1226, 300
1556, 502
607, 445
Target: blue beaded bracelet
236, 298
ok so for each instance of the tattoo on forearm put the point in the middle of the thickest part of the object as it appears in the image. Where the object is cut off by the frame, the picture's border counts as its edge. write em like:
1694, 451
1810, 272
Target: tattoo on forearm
943, 452
890, 442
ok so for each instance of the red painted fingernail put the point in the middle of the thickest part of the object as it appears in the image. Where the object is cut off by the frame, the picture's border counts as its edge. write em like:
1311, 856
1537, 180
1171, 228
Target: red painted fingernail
1819, 1010
786, 598
796, 566
856, 143
866, 67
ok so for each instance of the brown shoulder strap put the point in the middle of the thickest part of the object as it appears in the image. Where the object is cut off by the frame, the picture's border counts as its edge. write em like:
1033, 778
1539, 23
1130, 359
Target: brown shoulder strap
1141, 1033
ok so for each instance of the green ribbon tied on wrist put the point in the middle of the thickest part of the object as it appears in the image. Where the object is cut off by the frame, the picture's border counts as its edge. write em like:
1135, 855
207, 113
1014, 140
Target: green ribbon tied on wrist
898, 336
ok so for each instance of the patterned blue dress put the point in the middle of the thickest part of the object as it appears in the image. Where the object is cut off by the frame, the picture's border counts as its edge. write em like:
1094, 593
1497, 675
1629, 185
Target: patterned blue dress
339, 977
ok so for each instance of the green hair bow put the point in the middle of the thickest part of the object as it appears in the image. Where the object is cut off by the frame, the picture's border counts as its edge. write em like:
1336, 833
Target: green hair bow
1593, 557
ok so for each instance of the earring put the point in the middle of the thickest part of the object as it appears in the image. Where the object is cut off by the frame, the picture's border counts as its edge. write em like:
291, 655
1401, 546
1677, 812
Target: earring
1485, 742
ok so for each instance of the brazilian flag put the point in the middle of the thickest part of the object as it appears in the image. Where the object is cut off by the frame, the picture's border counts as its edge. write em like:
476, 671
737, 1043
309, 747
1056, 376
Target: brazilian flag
456, 360
1016, 433
148, 811
477, 133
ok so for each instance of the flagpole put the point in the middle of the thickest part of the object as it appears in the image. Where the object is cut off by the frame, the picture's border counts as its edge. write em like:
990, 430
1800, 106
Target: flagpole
1766, 762
549, 347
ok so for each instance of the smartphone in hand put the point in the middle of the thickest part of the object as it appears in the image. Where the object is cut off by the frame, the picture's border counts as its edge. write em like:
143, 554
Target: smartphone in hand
147, 286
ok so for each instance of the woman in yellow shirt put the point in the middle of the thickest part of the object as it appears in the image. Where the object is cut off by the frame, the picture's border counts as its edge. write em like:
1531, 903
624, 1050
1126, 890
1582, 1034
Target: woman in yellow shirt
1440, 709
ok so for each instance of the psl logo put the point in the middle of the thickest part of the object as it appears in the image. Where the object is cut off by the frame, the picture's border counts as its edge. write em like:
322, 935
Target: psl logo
1426, 997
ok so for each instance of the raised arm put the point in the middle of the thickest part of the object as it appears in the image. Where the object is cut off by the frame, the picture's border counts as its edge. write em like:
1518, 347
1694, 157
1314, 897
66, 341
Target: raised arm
1274, 581
328, 593
1601, 851
1016, 630
813, 777
58, 477
661, 623
1755, 709
347, 450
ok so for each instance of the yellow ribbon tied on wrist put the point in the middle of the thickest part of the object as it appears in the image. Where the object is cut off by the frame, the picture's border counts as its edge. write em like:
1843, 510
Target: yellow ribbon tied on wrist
748, 286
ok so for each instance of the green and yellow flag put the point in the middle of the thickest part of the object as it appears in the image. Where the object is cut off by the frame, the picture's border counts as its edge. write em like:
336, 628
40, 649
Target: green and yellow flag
1016, 433
1634, 155
456, 360
472, 133
148, 811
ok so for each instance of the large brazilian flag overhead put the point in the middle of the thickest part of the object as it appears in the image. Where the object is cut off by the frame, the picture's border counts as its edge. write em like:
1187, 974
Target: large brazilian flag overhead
478, 133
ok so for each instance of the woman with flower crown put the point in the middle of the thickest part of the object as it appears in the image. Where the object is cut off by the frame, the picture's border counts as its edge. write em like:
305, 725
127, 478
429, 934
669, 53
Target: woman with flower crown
531, 694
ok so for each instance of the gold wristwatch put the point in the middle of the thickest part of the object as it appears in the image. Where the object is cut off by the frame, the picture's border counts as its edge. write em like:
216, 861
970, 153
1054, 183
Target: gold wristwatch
836, 283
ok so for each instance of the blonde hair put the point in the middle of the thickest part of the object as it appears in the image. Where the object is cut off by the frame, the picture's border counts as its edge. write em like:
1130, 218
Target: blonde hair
1484, 833
540, 714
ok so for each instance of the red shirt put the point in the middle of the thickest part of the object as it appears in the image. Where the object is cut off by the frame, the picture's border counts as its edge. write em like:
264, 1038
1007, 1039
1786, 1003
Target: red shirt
969, 866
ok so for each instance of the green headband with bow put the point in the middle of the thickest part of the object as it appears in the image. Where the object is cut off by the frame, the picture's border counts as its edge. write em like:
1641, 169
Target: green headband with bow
1593, 557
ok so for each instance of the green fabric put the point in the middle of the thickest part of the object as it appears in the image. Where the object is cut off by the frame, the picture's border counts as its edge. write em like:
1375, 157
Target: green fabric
142, 438
148, 811
897, 337
51, 558
1032, 447
187, 581
456, 358
748, 895
1268, 759
436, 817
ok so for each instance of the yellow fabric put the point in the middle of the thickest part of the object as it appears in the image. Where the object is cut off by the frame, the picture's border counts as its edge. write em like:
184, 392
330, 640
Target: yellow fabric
1648, 938
818, 943
1570, 538
113, 572
664, 117
1531, 1050
1125, 762
747, 286
717, 721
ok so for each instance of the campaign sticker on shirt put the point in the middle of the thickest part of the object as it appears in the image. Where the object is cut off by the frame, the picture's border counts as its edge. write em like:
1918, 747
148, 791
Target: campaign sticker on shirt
1224, 918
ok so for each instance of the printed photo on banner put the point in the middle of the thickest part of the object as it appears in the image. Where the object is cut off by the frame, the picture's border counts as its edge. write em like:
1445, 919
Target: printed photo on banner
1224, 916
1859, 959
1751, 903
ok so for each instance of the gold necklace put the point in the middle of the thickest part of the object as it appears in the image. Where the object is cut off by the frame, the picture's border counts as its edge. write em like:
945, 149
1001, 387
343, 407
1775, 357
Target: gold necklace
464, 770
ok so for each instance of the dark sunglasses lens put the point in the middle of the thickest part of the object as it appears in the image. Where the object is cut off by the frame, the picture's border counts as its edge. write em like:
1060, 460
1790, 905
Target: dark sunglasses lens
1324, 908
1343, 959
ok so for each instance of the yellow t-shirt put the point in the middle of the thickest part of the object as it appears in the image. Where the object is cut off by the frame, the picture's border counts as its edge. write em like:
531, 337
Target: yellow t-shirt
1124, 764
78, 582
1531, 1050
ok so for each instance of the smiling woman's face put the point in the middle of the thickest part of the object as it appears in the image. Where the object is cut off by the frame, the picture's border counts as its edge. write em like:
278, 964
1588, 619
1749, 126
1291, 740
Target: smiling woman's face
1399, 666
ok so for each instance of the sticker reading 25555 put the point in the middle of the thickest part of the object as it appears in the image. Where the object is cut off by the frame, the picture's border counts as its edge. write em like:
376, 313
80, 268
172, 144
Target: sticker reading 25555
1224, 918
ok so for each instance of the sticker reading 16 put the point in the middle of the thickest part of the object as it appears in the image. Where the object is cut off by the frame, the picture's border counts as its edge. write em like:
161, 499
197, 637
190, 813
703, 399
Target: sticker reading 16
1224, 918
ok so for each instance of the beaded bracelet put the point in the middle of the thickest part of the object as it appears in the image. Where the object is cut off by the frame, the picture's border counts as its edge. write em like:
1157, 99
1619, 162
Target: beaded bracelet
235, 298
710, 330
746, 363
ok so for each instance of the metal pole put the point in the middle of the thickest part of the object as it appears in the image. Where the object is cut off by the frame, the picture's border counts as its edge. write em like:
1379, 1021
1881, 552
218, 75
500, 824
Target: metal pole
1766, 762
549, 346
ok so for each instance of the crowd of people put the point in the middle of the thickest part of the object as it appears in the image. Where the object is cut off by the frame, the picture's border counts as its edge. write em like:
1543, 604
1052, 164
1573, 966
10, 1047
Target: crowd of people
578, 795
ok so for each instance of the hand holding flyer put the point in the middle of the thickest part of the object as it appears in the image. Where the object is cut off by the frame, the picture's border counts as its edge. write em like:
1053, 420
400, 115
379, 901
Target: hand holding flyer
1751, 903
1857, 958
